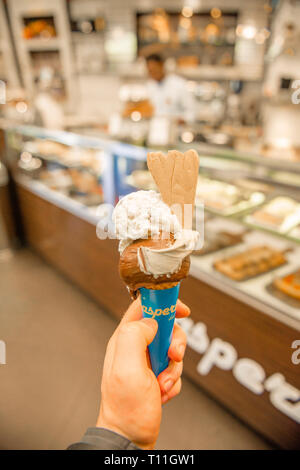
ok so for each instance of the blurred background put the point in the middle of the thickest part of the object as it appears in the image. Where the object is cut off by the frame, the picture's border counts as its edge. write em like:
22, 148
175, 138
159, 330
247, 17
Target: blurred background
87, 87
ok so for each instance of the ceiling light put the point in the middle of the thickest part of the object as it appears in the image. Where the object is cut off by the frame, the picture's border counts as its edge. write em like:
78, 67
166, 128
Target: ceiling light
215, 13
187, 12
136, 116
246, 31
187, 137
249, 32
21, 107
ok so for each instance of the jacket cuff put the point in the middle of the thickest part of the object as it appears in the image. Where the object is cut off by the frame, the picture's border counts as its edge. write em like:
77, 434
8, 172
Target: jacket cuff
103, 439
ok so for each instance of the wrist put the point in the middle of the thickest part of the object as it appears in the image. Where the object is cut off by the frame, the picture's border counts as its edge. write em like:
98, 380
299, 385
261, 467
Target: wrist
104, 422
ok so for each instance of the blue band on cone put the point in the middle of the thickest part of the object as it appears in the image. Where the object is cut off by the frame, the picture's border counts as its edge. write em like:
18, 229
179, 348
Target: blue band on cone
160, 305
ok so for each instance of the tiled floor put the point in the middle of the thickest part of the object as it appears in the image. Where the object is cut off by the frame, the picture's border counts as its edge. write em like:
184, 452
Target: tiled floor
50, 387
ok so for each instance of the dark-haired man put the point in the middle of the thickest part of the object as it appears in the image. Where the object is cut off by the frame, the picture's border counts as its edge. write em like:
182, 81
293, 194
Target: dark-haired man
168, 93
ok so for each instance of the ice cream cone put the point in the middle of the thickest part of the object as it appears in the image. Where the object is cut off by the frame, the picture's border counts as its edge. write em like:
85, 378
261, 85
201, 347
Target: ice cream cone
160, 304
156, 240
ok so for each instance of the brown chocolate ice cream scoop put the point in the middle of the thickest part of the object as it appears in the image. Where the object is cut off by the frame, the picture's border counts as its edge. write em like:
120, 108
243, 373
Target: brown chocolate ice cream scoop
134, 278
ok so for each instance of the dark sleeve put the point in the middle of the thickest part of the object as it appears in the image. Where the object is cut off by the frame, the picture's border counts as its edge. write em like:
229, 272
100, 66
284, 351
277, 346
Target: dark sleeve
103, 439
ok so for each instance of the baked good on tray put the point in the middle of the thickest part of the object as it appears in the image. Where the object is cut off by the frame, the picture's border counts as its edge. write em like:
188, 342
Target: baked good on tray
281, 213
289, 284
215, 241
295, 232
226, 198
250, 263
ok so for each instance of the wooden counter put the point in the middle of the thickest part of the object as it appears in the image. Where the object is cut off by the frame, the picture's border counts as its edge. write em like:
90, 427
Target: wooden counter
240, 355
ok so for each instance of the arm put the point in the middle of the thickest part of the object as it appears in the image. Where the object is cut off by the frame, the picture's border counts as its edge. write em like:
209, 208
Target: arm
103, 439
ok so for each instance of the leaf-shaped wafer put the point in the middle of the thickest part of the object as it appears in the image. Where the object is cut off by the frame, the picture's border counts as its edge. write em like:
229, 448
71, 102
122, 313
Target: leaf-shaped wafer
185, 175
176, 177
184, 182
161, 167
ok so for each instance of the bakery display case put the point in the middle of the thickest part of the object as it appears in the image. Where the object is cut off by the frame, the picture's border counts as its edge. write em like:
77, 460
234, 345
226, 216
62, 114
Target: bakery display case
62, 168
244, 283
251, 221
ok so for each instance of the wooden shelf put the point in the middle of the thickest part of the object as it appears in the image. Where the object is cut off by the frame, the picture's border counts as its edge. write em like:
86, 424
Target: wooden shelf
11, 74
56, 9
38, 44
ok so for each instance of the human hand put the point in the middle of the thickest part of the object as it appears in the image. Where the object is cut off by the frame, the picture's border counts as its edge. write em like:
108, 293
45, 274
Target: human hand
131, 394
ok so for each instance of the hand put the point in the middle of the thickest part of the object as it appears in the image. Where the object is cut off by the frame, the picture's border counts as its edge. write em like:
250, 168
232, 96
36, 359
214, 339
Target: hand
131, 394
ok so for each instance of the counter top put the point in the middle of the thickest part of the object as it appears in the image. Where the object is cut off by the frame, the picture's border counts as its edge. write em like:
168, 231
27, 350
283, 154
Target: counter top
96, 139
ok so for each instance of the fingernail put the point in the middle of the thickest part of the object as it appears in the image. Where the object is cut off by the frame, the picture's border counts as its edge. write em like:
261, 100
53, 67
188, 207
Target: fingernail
168, 385
164, 399
149, 322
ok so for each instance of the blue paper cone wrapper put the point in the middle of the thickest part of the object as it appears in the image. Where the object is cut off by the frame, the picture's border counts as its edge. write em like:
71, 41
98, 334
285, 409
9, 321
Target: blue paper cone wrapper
160, 305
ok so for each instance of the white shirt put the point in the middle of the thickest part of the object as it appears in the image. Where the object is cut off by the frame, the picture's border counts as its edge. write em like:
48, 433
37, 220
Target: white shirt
170, 97
51, 112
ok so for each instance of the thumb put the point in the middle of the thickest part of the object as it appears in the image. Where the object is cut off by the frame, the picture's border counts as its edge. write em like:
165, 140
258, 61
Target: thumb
132, 341
149, 327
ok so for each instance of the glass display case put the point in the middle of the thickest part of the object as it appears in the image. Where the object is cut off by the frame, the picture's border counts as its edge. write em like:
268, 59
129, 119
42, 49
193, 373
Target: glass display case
59, 166
252, 217
252, 225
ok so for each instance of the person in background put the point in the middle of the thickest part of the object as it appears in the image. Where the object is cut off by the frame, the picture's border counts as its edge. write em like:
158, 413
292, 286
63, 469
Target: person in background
48, 106
131, 395
168, 93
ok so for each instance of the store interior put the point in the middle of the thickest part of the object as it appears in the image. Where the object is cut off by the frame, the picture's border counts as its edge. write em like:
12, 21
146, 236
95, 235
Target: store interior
78, 115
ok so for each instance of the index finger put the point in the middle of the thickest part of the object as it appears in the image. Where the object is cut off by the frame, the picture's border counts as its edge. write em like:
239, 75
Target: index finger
182, 310
134, 312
